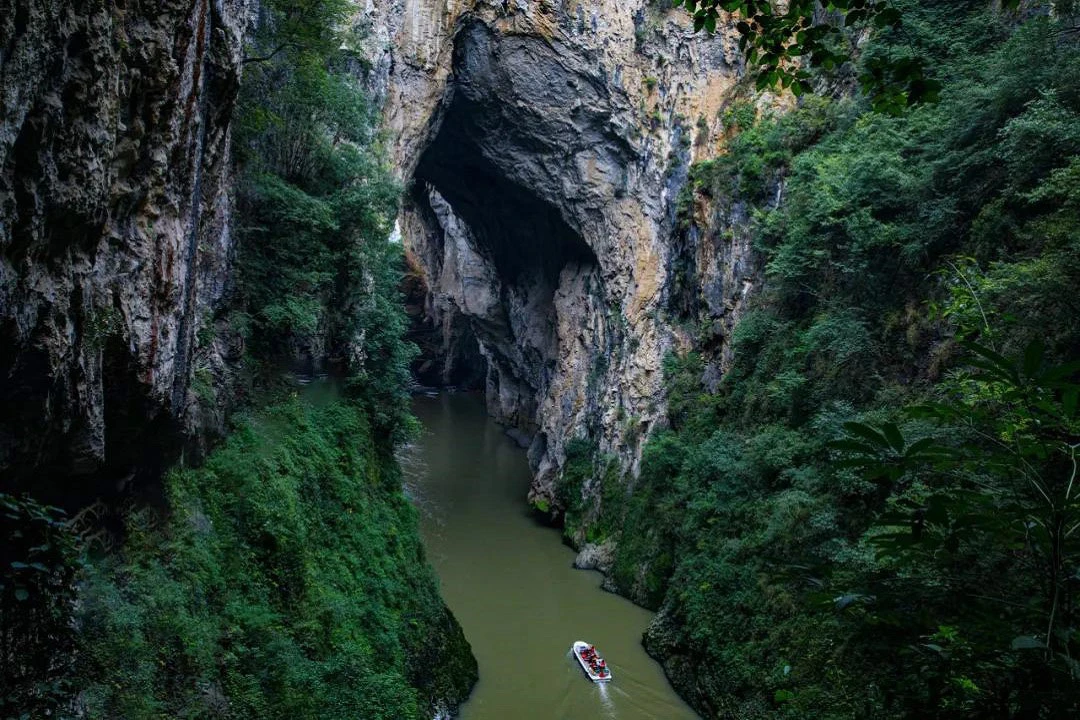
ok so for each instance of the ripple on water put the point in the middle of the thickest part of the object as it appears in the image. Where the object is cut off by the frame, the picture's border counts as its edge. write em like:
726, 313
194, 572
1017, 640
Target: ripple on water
510, 582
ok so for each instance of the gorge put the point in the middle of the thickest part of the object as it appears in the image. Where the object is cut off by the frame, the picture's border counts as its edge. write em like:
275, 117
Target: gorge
511, 584
791, 357
544, 159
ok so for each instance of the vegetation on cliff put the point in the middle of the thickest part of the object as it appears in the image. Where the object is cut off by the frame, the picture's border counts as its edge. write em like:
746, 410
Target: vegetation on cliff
790, 44
316, 278
315, 199
873, 514
283, 577
288, 581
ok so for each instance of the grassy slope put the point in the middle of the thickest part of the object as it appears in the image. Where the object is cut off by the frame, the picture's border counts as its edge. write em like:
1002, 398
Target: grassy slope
288, 582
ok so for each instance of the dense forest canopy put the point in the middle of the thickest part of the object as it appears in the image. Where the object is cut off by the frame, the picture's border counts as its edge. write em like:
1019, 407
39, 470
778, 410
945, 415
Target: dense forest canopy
880, 493
786, 42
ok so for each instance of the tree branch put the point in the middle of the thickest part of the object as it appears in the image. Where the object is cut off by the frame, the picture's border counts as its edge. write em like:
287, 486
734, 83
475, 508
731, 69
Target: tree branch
265, 58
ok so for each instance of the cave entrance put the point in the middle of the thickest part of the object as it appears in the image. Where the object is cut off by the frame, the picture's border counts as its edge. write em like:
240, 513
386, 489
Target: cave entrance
495, 250
520, 232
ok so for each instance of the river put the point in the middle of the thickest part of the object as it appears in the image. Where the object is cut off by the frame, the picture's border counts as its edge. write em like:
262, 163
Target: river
509, 581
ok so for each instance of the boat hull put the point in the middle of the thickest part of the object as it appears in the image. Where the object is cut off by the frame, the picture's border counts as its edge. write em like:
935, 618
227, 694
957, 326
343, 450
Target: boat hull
579, 647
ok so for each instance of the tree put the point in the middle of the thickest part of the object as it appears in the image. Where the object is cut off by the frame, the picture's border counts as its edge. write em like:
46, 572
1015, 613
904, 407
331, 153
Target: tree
784, 41
1000, 480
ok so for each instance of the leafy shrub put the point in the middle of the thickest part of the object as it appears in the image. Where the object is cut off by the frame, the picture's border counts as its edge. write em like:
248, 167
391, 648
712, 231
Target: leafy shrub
288, 582
316, 272
38, 565
894, 236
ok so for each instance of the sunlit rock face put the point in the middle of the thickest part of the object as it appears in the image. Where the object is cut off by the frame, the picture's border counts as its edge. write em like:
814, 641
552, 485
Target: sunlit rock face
544, 145
114, 233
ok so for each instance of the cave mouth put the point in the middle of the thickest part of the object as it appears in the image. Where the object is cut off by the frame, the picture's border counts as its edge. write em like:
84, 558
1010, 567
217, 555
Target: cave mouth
479, 163
496, 153
521, 232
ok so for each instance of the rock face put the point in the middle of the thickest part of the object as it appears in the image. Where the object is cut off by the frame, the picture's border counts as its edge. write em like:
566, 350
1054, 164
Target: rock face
114, 232
595, 557
545, 144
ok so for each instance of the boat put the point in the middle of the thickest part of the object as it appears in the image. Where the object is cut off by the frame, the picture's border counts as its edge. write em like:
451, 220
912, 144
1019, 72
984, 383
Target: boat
590, 662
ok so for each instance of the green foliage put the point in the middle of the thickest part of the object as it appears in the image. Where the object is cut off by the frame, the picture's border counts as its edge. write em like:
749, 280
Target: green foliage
998, 482
286, 578
38, 562
288, 582
786, 41
379, 370
893, 238
315, 268
762, 151
300, 29
577, 471
590, 492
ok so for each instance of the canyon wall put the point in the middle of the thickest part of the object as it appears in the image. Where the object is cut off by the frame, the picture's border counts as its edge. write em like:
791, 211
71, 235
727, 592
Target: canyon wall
544, 146
117, 270
114, 235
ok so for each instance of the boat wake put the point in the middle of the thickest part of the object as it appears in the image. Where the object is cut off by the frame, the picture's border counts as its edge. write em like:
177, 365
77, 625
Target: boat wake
607, 702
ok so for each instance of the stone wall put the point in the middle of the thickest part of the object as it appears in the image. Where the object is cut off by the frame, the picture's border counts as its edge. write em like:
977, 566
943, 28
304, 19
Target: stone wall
545, 144
114, 234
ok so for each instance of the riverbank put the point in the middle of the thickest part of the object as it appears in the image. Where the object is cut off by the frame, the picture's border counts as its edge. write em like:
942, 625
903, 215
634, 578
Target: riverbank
288, 582
509, 581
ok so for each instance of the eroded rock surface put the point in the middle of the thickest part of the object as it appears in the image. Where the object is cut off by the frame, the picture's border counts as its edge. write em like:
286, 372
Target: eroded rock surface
545, 144
114, 233
595, 557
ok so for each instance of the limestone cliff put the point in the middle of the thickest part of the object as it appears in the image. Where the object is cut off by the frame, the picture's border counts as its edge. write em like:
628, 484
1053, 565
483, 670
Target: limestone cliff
114, 232
545, 144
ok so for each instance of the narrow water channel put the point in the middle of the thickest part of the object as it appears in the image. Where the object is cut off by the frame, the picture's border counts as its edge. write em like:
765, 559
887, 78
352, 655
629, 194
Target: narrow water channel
510, 582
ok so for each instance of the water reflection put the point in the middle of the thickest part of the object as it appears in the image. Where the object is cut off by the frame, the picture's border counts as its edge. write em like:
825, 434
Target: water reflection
510, 582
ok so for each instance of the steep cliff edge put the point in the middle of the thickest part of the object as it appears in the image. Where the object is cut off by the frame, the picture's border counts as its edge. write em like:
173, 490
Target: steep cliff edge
545, 145
575, 219
114, 234
280, 575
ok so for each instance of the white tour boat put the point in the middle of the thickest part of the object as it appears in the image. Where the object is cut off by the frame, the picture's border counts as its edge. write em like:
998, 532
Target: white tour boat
591, 662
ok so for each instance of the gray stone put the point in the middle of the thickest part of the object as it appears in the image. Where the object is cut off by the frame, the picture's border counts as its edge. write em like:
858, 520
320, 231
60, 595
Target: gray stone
545, 146
114, 232
596, 557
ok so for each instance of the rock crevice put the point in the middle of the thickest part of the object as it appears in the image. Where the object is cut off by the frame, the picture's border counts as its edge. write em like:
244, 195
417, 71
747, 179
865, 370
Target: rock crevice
114, 233
545, 146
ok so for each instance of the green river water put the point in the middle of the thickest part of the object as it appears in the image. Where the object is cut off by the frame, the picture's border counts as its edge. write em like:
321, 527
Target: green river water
509, 581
